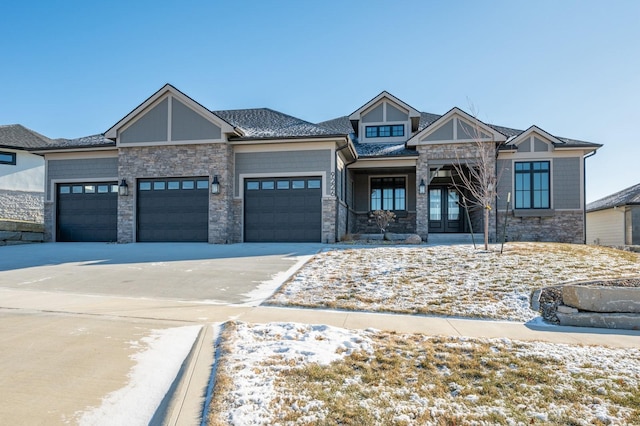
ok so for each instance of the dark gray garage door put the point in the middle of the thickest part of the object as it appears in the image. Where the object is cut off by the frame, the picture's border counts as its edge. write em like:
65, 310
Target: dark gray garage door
283, 210
173, 210
87, 212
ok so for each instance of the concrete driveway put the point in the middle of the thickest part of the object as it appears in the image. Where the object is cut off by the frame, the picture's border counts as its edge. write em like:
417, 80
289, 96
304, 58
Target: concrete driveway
84, 327
225, 274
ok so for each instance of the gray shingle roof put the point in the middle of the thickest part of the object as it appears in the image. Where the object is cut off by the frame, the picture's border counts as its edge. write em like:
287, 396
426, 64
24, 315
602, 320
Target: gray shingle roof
93, 141
626, 197
267, 123
19, 137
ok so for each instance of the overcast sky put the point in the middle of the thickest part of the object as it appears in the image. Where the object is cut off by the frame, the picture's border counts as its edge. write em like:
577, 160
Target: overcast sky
74, 68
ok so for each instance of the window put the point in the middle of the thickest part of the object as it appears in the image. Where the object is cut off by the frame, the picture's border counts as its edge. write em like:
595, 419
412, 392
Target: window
202, 184
102, 189
297, 184
283, 184
89, 189
388, 193
65, 189
159, 186
187, 184
313, 184
145, 186
7, 158
268, 184
252, 186
173, 184
384, 131
532, 185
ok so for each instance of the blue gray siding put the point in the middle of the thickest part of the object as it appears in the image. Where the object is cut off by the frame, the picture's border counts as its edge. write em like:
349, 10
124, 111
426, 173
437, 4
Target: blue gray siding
85, 168
186, 124
373, 116
566, 183
282, 162
505, 179
151, 127
394, 114
539, 145
443, 133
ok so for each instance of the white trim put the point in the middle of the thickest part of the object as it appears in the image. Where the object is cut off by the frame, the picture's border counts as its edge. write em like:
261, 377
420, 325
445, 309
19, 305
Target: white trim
306, 141
389, 97
169, 143
65, 150
243, 176
366, 163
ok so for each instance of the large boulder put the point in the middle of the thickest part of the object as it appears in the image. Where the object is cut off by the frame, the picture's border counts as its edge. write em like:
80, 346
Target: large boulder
413, 239
602, 298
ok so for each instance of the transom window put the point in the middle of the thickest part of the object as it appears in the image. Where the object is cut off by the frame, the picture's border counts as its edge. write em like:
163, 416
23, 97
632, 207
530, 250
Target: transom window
532, 185
388, 193
7, 157
384, 131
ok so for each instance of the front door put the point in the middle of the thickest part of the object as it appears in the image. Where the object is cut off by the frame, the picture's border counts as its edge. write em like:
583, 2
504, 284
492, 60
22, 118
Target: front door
445, 211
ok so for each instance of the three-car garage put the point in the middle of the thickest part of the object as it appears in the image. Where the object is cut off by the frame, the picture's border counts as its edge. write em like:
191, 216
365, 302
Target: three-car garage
280, 209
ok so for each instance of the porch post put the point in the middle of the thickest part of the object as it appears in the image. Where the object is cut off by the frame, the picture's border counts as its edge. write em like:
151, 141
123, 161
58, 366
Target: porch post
422, 200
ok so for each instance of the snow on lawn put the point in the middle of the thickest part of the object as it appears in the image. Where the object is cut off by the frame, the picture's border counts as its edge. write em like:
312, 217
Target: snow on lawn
149, 380
448, 280
286, 373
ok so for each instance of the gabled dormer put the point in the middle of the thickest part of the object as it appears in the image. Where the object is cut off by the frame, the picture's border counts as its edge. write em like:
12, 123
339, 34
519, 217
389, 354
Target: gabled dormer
534, 139
169, 117
456, 126
385, 119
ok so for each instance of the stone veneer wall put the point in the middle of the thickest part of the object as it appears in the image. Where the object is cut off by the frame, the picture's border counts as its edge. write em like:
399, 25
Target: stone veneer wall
329, 212
562, 227
178, 161
342, 220
404, 224
22, 205
237, 220
50, 220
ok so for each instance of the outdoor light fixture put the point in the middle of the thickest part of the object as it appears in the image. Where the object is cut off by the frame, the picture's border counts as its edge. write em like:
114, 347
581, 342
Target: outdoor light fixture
215, 185
422, 188
123, 188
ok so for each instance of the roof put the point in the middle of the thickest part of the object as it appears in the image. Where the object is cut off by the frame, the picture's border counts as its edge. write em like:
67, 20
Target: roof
626, 197
267, 123
93, 141
19, 137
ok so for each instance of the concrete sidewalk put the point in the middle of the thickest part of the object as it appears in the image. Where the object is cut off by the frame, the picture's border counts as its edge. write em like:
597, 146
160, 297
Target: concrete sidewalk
186, 402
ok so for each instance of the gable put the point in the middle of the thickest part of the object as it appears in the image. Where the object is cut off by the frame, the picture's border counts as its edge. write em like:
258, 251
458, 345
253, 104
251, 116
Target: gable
186, 124
375, 115
456, 126
169, 117
535, 139
150, 127
394, 114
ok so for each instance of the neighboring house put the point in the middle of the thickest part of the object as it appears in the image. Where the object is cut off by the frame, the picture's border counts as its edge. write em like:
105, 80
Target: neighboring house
615, 220
21, 174
191, 174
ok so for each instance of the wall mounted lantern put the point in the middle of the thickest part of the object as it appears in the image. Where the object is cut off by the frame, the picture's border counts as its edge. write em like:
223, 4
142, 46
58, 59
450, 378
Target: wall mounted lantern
215, 185
422, 188
123, 188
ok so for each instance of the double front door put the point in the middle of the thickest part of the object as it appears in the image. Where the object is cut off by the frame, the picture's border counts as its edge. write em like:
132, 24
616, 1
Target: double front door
445, 210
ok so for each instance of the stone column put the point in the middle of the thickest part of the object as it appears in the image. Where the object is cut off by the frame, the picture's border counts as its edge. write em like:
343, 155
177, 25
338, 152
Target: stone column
422, 200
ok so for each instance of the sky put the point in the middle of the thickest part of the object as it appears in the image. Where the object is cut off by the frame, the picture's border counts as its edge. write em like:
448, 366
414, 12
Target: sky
75, 68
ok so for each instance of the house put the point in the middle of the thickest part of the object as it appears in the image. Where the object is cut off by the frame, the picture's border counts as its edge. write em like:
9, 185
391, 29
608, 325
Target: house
615, 220
21, 174
173, 170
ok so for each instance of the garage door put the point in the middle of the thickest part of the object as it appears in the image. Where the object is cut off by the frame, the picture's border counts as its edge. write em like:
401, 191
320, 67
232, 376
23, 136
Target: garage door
283, 210
173, 210
87, 212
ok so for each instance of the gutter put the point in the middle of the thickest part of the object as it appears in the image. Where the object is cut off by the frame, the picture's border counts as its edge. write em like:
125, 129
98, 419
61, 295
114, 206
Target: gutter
584, 194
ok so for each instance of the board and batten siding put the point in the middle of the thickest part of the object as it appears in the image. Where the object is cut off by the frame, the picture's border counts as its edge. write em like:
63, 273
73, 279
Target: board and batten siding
605, 227
282, 162
566, 183
84, 168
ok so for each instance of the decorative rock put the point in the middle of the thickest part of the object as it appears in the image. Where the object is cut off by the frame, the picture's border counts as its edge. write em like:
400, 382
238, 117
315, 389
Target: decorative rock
9, 235
535, 299
596, 319
602, 298
564, 309
413, 239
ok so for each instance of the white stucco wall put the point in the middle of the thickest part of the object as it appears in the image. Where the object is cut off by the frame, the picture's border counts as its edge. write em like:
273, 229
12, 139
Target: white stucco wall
606, 227
26, 175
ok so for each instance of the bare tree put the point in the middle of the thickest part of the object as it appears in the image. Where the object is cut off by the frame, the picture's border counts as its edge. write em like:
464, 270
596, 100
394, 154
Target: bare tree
478, 175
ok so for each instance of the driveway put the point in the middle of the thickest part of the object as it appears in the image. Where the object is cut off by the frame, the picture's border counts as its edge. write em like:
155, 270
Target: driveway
92, 331
223, 274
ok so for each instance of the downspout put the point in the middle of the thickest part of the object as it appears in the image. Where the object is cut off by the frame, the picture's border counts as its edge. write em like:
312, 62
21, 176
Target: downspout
584, 194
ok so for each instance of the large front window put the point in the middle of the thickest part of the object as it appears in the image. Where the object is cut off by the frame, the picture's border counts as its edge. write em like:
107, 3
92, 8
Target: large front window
388, 193
532, 185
